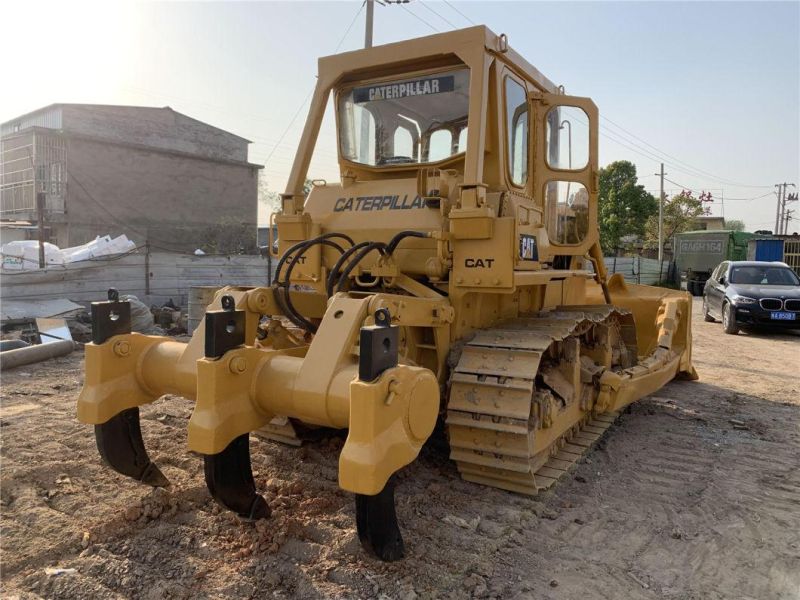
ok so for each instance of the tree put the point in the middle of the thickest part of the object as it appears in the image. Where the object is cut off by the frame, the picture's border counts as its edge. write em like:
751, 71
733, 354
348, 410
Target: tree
680, 213
271, 200
229, 236
735, 225
624, 205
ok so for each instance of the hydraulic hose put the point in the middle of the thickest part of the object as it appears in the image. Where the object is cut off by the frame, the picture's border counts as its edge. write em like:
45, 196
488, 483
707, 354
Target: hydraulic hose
298, 245
338, 265
289, 305
379, 246
283, 297
393, 243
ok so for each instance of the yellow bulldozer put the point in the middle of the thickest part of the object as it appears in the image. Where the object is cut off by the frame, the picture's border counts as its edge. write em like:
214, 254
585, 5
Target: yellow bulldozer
453, 274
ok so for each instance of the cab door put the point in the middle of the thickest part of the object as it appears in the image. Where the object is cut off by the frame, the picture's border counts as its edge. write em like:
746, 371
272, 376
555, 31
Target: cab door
565, 172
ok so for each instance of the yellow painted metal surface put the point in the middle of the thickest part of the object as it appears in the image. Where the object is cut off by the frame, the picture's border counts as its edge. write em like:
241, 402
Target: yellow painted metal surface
538, 352
389, 421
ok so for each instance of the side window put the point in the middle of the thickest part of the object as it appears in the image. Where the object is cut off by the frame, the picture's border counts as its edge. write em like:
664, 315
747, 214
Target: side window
721, 270
715, 273
517, 131
403, 144
440, 145
358, 139
462, 140
567, 138
568, 206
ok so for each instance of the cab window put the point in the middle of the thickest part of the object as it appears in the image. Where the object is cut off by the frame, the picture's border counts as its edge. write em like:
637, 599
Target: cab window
405, 120
517, 131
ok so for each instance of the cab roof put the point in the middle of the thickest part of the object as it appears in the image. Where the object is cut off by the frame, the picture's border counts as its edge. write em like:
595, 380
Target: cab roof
460, 42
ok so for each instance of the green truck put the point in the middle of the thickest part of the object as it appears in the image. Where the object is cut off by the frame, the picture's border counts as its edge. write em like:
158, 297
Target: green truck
697, 253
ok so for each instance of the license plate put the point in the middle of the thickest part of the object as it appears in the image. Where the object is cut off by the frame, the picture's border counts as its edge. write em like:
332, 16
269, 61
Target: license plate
782, 316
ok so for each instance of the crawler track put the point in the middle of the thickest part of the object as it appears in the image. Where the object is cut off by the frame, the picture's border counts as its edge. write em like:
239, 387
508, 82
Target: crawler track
522, 403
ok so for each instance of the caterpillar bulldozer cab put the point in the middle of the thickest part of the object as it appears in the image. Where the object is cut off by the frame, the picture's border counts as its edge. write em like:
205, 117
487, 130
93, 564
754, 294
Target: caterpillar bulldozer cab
453, 274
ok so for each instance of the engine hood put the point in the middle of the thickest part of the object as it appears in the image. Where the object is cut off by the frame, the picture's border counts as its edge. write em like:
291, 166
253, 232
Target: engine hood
372, 210
765, 291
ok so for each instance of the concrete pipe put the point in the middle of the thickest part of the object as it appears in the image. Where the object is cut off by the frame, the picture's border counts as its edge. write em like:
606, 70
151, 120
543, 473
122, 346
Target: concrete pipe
33, 354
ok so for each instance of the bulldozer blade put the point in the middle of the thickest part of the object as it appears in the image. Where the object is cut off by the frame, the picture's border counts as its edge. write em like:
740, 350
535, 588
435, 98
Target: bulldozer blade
229, 478
120, 443
376, 521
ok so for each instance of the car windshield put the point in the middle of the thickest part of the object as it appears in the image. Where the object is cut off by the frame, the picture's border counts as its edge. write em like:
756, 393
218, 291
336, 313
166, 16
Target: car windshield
757, 275
412, 120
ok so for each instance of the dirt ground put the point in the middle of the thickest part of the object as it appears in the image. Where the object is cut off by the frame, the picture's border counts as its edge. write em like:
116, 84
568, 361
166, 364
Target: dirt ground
693, 493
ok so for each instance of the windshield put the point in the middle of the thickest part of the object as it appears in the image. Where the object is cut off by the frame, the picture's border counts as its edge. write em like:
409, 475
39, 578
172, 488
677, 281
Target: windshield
755, 275
413, 120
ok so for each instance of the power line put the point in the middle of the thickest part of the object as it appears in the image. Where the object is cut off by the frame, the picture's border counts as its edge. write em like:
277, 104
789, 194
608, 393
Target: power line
459, 12
645, 152
349, 27
749, 199
726, 199
418, 18
697, 169
311, 91
442, 17
652, 156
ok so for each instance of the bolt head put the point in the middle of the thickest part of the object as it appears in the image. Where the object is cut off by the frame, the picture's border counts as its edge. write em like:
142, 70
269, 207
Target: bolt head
237, 365
122, 348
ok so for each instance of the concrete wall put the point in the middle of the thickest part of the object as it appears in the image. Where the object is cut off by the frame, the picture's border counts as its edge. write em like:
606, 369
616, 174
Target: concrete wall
156, 127
176, 202
13, 234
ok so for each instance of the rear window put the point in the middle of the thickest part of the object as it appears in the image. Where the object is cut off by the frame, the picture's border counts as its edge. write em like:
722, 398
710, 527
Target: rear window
756, 275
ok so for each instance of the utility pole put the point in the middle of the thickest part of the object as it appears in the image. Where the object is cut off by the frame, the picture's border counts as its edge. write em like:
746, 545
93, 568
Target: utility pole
778, 209
786, 213
368, 28
661, 217
40, 201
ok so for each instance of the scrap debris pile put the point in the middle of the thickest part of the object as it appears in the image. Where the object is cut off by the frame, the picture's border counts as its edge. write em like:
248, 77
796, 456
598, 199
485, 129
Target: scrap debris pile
22, 322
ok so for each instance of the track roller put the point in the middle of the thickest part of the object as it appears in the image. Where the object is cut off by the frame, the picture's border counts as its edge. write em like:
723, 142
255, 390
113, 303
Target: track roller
120, 443
376, 521
229, 478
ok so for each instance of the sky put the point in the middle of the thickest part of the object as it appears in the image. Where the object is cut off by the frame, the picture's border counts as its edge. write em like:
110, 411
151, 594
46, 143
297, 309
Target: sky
710, 88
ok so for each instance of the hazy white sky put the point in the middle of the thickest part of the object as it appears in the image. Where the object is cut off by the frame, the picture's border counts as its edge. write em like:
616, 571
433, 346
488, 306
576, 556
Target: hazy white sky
713, 89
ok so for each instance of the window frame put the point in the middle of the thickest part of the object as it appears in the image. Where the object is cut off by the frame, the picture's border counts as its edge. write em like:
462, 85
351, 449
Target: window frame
722, 271
546, 143
508, 140
338, 92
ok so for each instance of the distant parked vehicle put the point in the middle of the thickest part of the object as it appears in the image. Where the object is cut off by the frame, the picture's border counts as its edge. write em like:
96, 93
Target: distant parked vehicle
698, 252
752, 293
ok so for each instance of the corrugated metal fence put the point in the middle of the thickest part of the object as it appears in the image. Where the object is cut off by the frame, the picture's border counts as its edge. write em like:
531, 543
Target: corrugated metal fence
637, 269
153, 278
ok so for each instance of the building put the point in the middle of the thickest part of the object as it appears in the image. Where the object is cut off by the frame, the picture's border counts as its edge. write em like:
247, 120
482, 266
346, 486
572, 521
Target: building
154, 174
781, 248
710, 223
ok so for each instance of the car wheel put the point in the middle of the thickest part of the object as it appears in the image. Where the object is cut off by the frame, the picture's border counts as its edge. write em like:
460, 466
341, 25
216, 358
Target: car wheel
708, 318
728, 320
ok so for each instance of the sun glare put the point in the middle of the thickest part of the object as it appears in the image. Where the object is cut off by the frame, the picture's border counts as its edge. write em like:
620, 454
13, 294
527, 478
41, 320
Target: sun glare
80, 52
